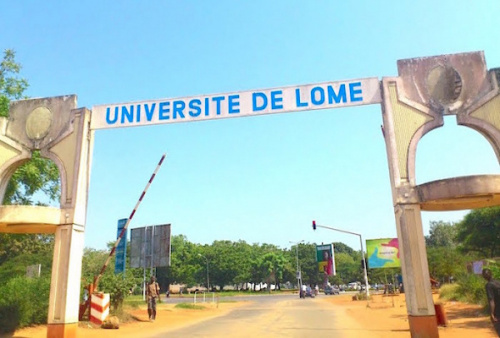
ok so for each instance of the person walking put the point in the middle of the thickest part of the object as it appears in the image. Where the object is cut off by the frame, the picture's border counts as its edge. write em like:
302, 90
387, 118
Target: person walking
152, 294
493, 294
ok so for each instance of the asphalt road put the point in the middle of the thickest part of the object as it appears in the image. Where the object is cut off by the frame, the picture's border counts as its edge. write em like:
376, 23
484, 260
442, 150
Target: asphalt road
273, 316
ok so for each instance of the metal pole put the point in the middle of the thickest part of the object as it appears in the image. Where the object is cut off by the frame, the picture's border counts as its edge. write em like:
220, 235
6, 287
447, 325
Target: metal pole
299, 275
151, 260
297, 253
208, 278
364, 267
144, 284
362, 252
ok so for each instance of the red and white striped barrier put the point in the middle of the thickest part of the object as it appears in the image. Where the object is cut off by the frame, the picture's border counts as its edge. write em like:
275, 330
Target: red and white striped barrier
99, 307
96, 279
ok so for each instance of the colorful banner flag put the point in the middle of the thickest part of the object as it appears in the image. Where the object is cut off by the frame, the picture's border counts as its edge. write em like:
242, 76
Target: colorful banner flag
383, 253
325, 259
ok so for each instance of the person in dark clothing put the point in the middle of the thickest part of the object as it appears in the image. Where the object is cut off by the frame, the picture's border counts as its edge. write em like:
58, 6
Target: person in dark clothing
493, 294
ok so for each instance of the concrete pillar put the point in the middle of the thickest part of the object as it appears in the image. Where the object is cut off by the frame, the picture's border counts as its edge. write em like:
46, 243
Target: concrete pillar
401, 123
74, 152
65, 282
61, 133
419, 303
414, 104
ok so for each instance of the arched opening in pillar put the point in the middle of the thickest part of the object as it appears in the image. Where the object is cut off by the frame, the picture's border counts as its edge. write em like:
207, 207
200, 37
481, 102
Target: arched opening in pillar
26, 252
441, 153
34, 182
452, 151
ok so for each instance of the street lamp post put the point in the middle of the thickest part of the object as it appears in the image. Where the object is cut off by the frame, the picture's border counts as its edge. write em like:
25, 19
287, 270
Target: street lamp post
362, 251
299, 275
208, 280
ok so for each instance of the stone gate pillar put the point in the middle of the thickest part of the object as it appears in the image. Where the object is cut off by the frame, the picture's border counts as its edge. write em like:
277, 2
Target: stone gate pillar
61, 133
413, 104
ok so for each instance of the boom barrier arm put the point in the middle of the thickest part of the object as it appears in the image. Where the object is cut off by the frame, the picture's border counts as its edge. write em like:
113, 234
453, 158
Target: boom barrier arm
96, 278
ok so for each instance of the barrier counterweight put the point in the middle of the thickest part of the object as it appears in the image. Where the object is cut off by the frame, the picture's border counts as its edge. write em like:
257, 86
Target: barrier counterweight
99, 307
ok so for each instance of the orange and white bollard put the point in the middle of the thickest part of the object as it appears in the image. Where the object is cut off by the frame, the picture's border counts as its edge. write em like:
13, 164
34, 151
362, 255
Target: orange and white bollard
99, 307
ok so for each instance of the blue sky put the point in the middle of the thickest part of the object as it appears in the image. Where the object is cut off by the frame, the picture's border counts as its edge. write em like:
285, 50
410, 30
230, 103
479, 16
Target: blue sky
259, 179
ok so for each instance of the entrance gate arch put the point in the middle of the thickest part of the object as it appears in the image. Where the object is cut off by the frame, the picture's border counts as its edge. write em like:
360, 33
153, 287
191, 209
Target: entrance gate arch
61, 133
415, 103
412, 104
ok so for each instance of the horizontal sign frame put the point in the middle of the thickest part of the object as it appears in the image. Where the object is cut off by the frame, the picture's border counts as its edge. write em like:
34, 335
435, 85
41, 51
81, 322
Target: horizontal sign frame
325, 95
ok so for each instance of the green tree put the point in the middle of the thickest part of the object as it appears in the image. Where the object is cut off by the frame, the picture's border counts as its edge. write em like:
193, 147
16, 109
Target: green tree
270, 268
12, 87
184, 264
224, 263
445, 262
441, 234
38, 174
479, 232
244, 253
340, 247
92, 262
308, 264
346, 267
13, 245
117, 285
16, 266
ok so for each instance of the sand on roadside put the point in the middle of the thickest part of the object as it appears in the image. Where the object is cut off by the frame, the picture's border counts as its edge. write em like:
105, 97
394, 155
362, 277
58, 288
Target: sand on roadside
386, 316
382, 316
168, 318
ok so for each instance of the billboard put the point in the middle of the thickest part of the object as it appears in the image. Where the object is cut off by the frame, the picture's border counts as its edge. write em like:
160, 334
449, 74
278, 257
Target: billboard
383, 253
325, 259
121, 249
150, 246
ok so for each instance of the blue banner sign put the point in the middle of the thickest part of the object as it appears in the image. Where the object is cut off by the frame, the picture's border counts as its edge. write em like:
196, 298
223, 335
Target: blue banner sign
238, 104
121, 249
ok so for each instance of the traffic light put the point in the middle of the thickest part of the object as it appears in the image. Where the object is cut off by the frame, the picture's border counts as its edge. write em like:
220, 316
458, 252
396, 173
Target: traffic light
314, 225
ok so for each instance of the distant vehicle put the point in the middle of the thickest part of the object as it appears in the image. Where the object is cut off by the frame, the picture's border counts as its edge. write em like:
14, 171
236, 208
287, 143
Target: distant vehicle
309, 292
332, 290
354, 286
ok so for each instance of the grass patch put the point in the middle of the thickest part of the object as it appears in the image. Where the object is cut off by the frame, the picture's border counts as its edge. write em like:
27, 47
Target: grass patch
134, 304
449, 292
468, 289
360, 296
227, 301
189, 306
248, 293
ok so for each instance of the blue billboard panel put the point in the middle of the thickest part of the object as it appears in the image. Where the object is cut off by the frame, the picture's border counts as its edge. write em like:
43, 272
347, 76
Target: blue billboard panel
121, 249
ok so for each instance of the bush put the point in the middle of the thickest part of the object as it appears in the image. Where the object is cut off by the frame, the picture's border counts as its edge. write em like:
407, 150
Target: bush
24, 302
471, 289
449, 291
118, 286
359, 296
495, 270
